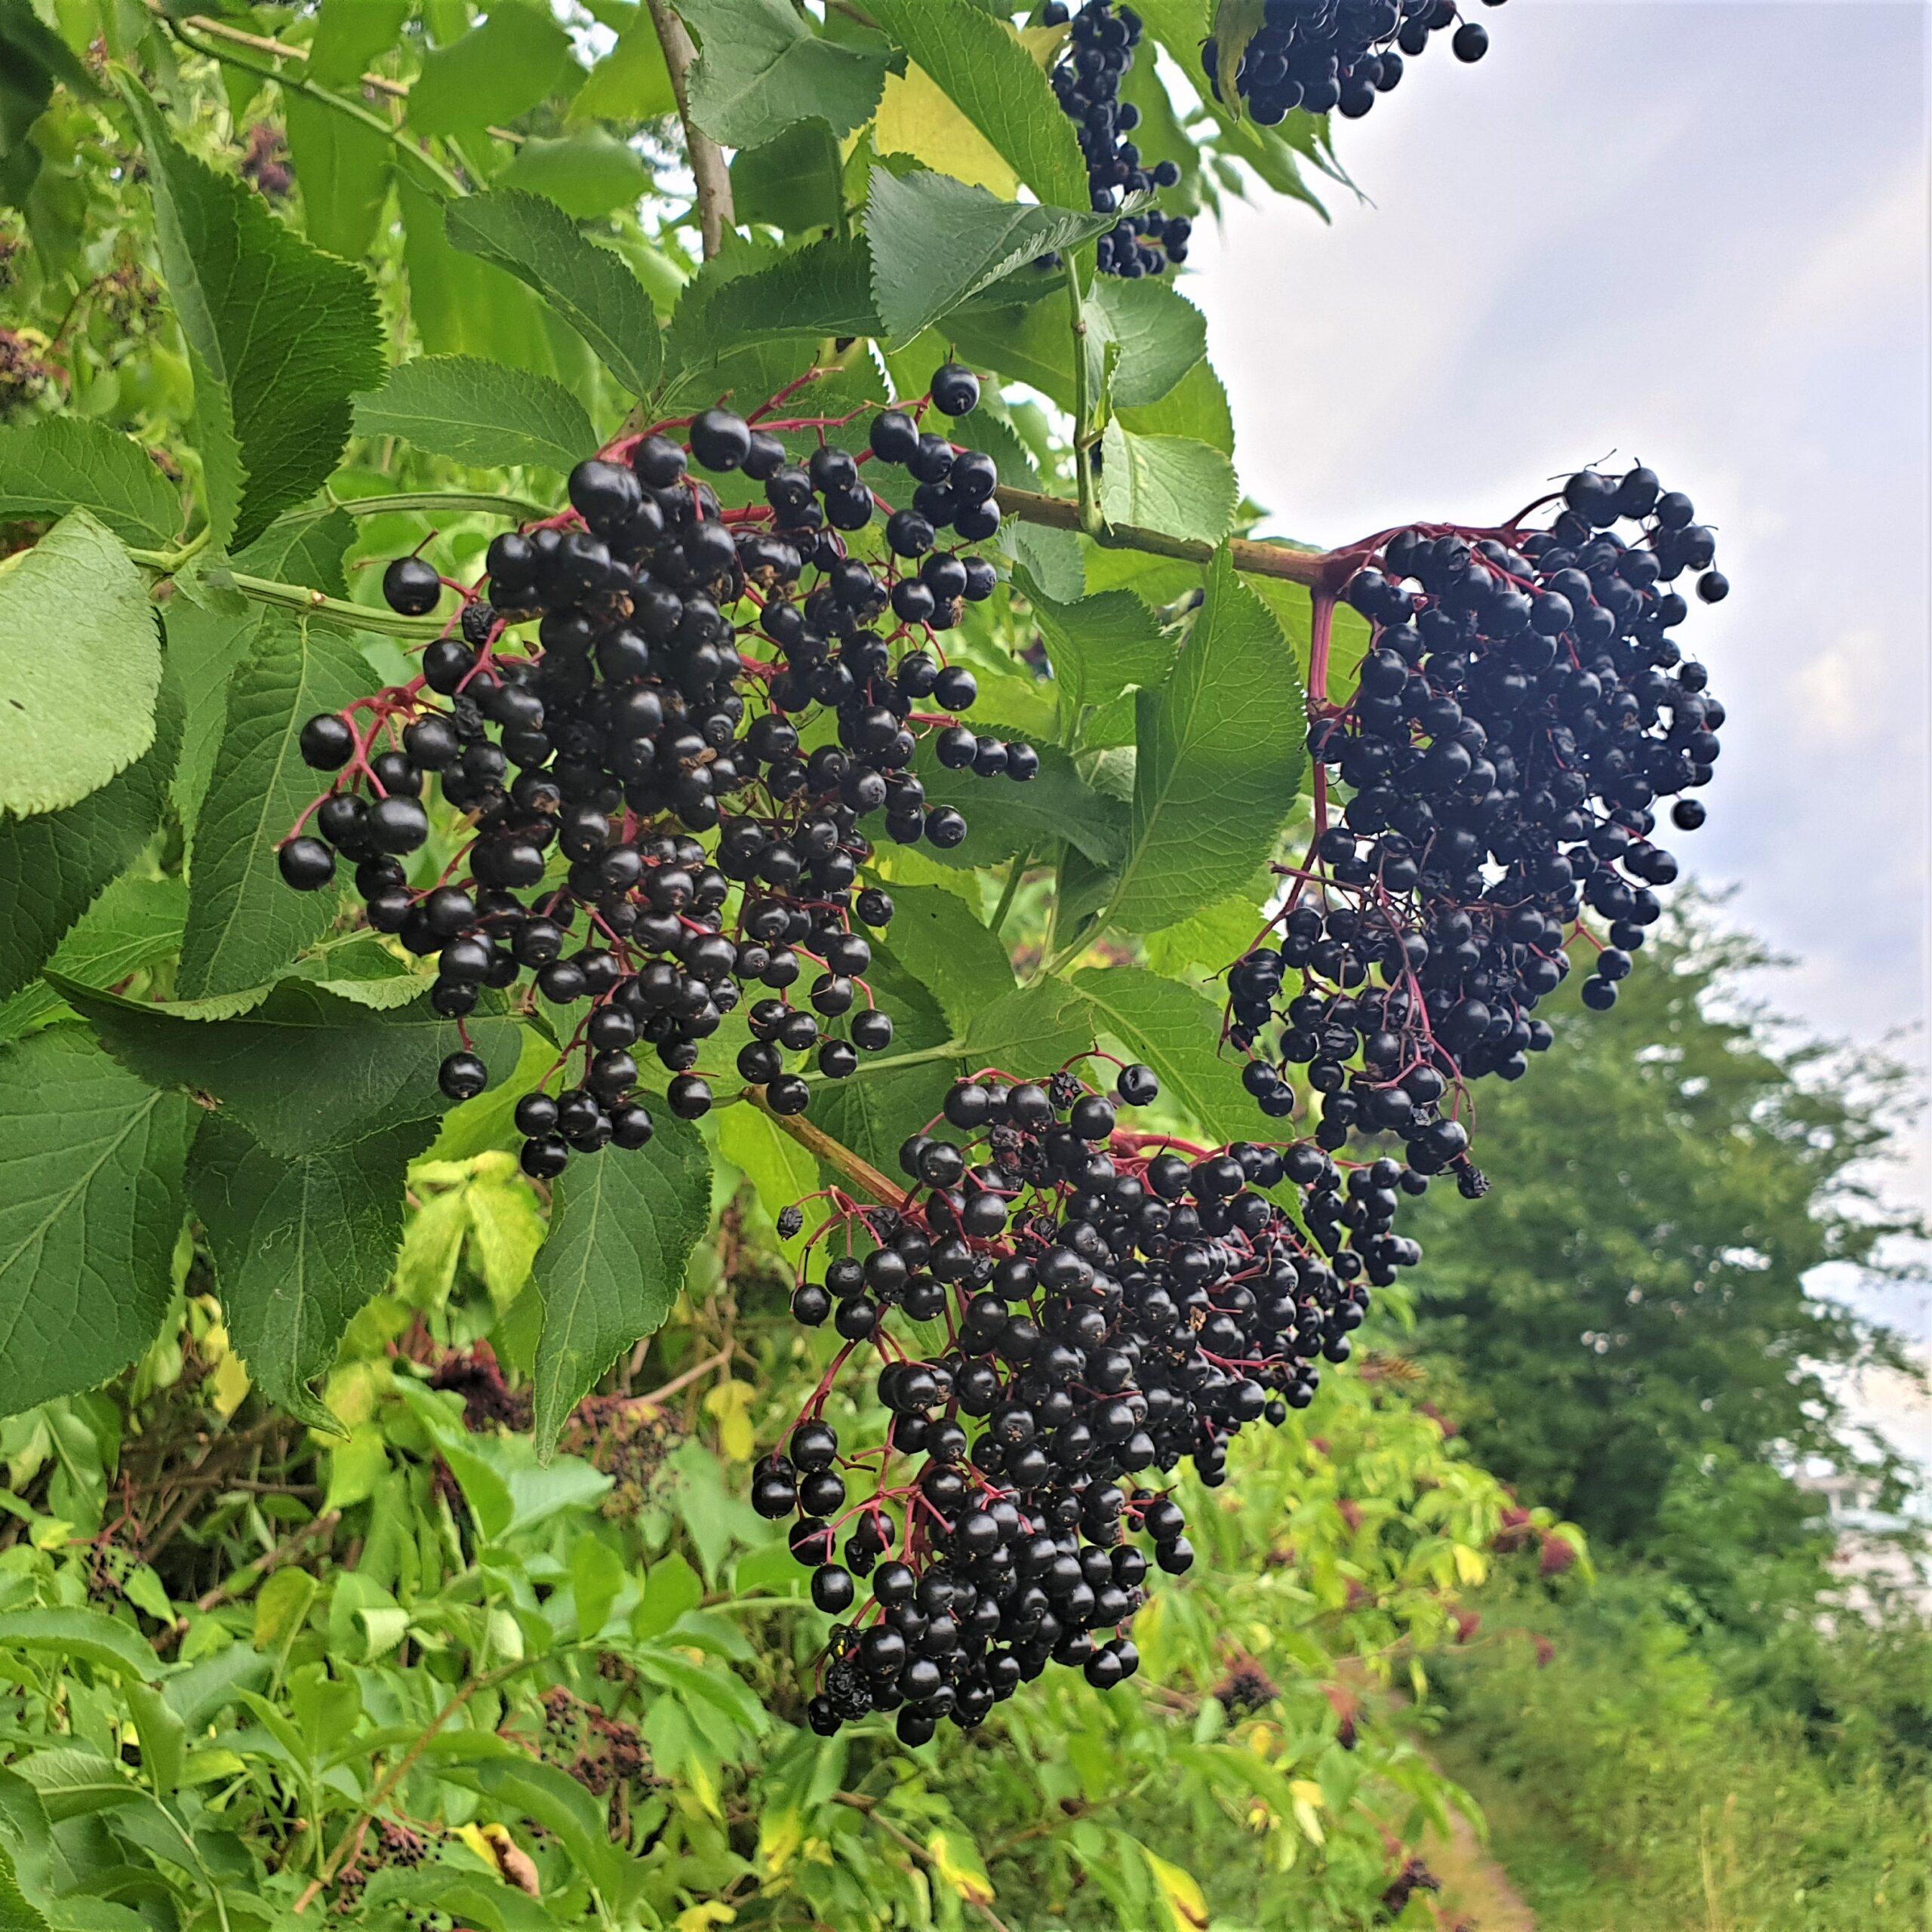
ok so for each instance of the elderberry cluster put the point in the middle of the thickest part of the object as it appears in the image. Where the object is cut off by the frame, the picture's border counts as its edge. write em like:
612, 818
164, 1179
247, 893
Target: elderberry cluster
644, 830
1114, 1309
1087, 83
1338, 55
1522, 711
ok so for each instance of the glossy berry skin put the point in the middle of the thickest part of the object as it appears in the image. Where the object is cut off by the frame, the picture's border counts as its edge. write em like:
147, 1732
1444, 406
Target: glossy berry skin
720, 439
411, 588
1041, 1441
597, 743
463, 1076
306, 864
956, 390
326, 742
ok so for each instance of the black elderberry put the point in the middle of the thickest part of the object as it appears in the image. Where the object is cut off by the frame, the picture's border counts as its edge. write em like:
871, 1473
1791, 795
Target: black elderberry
306, 864
411, 587
1496, 771
326, 742
1073, 1378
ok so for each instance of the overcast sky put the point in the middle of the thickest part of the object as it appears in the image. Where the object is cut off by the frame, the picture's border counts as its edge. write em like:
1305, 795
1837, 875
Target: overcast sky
1694, 232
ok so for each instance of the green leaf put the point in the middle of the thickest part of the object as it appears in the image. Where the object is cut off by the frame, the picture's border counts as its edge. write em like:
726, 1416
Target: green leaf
284, 333
89, 1635
621, 1230
1031, 1031
584, 174
936, 242
299, 1245
73, 1781
631, 82
493, 73
64, 463
762, 68
823, 289
53, 866
980, 65
1005, 818
244, 923
1294, 611
1160, 336
350, 34
303, 1070
1171, 483
936, 937
362, 967
1221, 754
80, 664
88, 1218
479, 412
588, 286
1102, 646
520, 1788
209, 633
794, 182
134, 923
1197, 407
343, 170
780, 1169
164, 1738
1177, 1031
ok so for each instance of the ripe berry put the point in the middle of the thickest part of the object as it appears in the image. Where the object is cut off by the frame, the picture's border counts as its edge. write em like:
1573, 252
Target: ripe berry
411, 587
720, 439
327, 742
306, 864
463, 1076
956, 390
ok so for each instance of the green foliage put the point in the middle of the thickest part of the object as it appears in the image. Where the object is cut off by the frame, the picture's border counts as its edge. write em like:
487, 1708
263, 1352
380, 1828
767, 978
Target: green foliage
1221, 761
91, 1215
479, 412
298, 1244
347, 1566
996, 84
620, 1233
64, 463
280, 335
761, 70
1631, 1781
244, 924
587, 286
937, 241
81, 657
